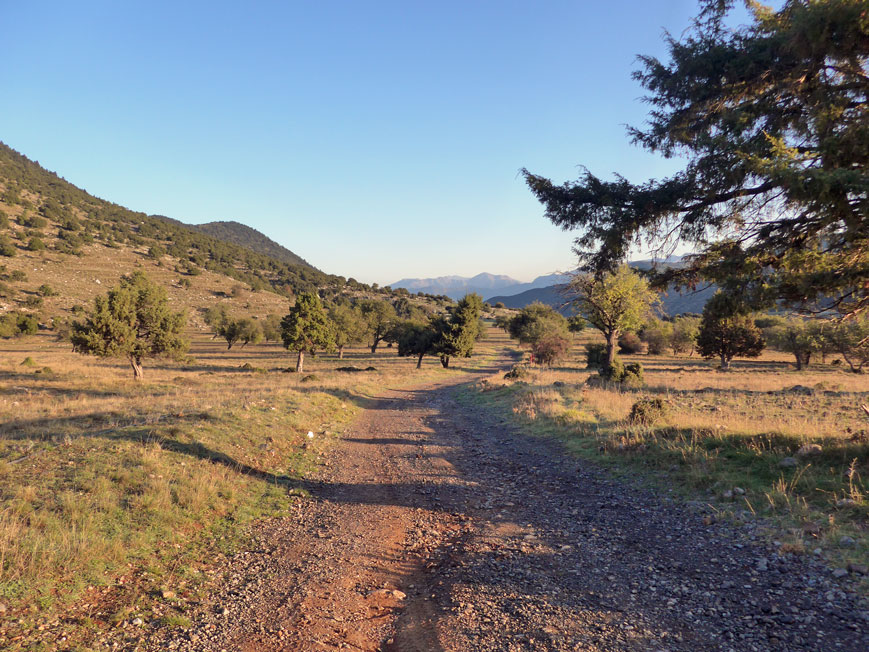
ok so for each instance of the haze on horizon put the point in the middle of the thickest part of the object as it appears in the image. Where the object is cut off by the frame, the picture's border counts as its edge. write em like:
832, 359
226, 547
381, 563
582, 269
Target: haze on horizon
379, 142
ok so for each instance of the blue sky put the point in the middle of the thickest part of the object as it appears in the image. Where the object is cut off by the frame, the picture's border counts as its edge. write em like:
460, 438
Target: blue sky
378, 140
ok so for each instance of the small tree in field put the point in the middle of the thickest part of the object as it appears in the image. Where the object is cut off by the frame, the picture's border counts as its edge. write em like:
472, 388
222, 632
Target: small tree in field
271, 326
685, 332
379, 316
613, 303
133, 320
726, 332
458, 334
250, 331
307, 328
797, 336
349, 326
415, 339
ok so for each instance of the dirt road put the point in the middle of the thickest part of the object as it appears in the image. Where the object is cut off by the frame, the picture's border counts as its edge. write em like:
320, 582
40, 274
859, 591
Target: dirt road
434, 529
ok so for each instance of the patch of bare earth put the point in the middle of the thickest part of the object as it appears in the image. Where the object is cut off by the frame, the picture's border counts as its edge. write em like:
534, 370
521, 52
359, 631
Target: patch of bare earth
435, 529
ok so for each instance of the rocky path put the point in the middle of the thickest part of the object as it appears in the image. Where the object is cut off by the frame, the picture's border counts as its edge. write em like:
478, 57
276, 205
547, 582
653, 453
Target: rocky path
437, 529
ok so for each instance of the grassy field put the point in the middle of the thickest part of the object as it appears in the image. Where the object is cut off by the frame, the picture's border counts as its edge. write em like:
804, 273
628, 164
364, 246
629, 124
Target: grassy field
722, 440
113, 492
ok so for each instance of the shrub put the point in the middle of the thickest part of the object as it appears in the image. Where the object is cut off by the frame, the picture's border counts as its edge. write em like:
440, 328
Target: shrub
633, 376
518, 372
14, 324
28, 362
630, 343
6, 247
648, 411
47, 291
550, 348
33, 301
35, 244
32, 221
595, 355
628, 375
614, 372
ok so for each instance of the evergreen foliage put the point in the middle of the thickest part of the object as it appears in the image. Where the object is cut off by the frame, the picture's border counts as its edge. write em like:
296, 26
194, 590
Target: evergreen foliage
133, 320
306, 328
457, 335
349, 326
726, 332
379, 317
772, 120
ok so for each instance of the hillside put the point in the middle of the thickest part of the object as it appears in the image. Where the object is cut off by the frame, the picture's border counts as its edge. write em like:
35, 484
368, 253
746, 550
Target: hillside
56, 234
248, 237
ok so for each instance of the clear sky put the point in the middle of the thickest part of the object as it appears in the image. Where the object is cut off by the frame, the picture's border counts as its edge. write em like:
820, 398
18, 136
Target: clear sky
378, 140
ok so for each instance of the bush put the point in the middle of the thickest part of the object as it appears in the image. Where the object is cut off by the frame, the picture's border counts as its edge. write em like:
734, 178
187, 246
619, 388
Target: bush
630, 343
550, 348
633, 376
33, 301
647, 411
47, 291
6, 247
595, 355
518, 372
32, 221
614, 372
628, 375
35, 244
14, 324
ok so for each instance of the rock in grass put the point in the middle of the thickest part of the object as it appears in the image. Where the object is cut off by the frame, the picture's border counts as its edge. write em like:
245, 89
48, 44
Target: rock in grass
788, 463
808, 450
840, 573
860, 569
847, 542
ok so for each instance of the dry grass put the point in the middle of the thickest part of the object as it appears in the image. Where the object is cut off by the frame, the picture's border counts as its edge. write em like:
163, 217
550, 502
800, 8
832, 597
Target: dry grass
722, 431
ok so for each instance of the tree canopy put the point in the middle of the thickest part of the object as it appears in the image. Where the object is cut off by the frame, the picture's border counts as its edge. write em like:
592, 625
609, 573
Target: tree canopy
726, 331
457, 335
773, 121
132, 320
612, 303
306, 328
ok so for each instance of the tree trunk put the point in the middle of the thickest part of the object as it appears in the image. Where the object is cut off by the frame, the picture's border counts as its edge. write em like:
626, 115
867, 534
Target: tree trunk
136, 364
419, 362
374, 346
340, 352
799, 357
808, 358
228, 346
610, 349
300, 363
725, 362
445, 361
